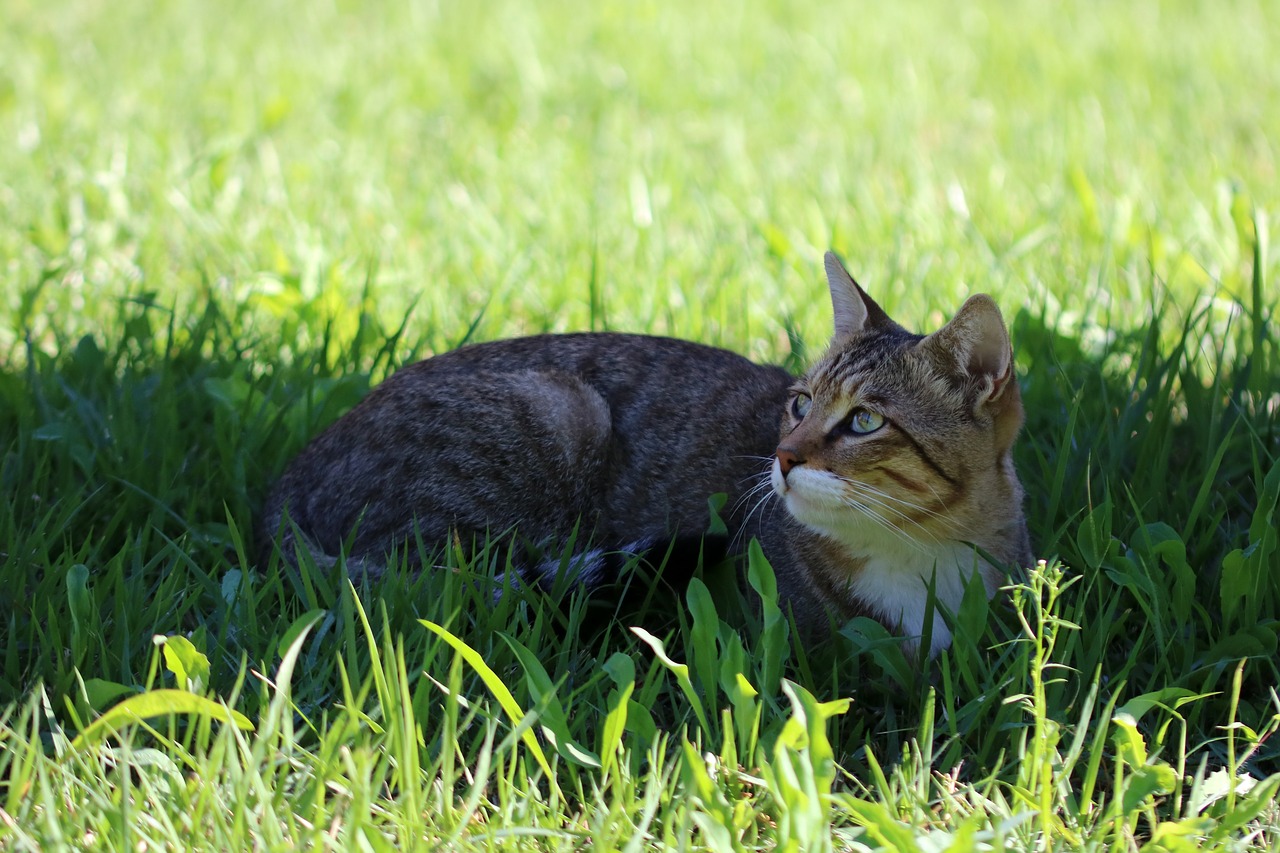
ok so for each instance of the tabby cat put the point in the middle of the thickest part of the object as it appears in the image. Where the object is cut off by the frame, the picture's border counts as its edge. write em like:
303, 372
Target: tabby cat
874, 475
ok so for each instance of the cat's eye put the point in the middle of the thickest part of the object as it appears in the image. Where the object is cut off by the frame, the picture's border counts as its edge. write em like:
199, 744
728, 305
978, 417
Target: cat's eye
800, 406
863, 421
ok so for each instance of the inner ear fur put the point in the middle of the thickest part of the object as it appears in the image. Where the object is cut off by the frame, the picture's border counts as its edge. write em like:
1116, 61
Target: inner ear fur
854, 311
977, 342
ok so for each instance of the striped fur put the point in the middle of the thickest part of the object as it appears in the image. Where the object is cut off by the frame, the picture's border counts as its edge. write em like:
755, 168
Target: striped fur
619, 440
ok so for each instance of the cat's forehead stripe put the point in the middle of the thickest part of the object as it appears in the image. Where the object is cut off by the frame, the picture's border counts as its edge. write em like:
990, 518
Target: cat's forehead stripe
859, 358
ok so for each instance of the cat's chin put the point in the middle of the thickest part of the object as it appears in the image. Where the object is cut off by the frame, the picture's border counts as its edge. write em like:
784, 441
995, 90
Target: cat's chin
893, 569
816, 500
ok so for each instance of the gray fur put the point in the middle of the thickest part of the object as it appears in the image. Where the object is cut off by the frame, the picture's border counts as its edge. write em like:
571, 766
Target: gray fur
620, 439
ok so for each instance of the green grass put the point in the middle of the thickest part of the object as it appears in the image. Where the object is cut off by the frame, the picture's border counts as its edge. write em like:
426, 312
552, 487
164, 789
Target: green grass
221, 223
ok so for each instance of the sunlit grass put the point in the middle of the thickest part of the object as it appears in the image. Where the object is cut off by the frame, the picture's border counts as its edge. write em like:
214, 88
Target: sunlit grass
219, 225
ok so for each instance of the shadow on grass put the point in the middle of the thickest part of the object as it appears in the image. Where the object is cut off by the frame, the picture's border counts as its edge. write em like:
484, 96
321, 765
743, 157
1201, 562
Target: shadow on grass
132, 468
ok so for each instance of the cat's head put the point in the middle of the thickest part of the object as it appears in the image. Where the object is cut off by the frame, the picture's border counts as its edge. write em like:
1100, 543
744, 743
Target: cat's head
897, 442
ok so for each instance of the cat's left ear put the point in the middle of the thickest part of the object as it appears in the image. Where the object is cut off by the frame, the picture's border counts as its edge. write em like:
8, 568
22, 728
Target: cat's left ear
978, 342
854, 311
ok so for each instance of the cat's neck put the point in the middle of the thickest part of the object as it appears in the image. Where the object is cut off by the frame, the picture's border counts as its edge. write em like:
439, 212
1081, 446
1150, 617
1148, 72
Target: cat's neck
868, 570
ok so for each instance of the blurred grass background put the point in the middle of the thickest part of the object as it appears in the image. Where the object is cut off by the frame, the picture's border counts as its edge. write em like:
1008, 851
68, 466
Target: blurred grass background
692, 160
221, 222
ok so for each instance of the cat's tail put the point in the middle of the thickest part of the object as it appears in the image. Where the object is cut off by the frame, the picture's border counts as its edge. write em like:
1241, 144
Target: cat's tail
279, 535
675, 559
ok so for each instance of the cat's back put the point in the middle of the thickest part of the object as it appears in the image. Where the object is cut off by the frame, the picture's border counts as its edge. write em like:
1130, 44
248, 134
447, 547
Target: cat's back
635, 431
614, 363
658, 390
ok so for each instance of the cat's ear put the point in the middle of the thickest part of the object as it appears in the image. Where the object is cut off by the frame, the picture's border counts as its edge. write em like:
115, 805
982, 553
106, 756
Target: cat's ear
854, 310
977, 341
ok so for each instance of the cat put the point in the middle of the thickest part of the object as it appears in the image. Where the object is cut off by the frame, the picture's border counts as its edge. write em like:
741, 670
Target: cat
866, 480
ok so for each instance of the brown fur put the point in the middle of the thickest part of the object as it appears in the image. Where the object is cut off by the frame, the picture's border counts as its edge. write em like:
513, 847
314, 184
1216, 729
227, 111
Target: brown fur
624, 437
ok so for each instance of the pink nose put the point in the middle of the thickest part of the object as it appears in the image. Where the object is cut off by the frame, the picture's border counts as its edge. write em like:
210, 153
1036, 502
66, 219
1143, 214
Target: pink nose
788, 459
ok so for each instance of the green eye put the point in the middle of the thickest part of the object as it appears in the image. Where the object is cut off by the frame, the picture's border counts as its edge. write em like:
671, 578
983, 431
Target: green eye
800, 406
863, 422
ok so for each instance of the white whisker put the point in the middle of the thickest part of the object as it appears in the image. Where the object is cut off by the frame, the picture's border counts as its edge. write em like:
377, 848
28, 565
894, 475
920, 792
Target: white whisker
762, 483
870, 501
866, 488
897, 513
897, 531
764, 489
884, 499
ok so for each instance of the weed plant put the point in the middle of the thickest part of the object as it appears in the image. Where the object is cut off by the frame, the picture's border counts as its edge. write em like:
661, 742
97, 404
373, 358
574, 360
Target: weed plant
222, 224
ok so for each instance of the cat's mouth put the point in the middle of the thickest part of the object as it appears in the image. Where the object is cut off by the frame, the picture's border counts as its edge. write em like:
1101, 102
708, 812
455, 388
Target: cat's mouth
777, 480
809, 494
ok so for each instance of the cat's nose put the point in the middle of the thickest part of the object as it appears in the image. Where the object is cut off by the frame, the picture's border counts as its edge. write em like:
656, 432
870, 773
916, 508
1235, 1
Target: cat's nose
787, 459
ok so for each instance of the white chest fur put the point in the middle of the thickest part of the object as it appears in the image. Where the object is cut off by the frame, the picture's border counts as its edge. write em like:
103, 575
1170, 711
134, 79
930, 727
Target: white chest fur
899, 562
897, 588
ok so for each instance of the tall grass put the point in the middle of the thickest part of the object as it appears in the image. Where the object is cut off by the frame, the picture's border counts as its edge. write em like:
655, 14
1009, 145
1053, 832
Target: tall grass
220, 225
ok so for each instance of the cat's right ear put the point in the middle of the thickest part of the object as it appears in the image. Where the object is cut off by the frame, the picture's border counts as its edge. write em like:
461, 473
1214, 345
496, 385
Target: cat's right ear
854, 311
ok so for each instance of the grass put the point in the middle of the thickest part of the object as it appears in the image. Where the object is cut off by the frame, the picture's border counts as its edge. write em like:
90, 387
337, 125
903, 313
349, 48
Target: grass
221, 224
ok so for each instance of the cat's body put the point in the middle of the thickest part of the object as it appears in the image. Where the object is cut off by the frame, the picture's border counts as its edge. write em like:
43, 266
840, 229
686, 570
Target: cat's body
898, 467
540, 434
